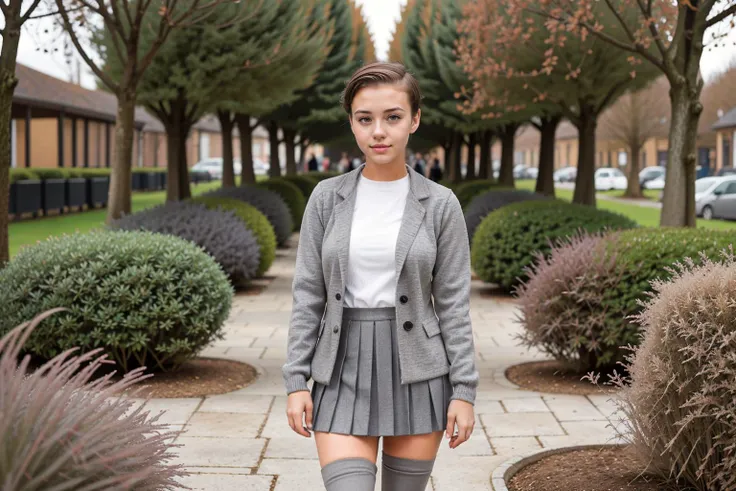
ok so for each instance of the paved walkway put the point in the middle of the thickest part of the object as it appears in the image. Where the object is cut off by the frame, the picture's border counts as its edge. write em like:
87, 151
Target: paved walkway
241, 440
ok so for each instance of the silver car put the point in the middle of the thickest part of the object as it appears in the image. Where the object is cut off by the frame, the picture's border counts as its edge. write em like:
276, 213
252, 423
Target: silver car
715, 197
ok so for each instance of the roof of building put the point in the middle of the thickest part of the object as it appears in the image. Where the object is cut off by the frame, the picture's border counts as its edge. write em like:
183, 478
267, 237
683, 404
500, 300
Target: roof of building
43, 91
727, 121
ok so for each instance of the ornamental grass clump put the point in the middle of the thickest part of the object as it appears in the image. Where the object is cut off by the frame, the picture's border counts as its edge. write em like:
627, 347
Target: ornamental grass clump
679, 399
147, 299
219, 232
63, 428
268, 202
560, 305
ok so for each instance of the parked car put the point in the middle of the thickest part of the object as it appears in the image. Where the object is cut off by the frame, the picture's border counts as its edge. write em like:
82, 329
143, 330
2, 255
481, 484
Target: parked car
715, 197
531, 173
213, 166
649, 174
519, 171
656, 183
608, 178
566, 174
726, 171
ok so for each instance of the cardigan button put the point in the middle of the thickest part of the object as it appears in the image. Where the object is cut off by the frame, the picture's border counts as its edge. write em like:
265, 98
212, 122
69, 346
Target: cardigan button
403, 299
408, 326
335, 329
338, 296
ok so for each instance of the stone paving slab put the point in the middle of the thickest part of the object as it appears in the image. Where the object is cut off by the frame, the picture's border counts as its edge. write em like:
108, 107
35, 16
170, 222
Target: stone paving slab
241, 440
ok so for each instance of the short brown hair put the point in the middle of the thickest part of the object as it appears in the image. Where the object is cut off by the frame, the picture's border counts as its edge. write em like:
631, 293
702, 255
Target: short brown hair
381, 73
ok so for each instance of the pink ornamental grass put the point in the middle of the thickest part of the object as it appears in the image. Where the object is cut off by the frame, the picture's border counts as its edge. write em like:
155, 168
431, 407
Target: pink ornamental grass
62, 428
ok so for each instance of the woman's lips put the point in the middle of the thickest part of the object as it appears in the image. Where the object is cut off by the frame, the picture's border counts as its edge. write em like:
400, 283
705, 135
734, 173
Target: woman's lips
380, 148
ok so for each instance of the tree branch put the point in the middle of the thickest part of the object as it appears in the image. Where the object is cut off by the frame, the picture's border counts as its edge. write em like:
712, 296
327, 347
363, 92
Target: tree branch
28, 12
106, 79
647, 11
719, 17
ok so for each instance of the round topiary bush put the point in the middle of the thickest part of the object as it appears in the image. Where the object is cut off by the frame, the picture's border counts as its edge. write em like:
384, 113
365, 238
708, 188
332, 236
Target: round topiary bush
487, 202
305, 184
292, 196
254, 220
267, 202
578, 303
679, 400
507, 240
146, 299
467, 190
219, 232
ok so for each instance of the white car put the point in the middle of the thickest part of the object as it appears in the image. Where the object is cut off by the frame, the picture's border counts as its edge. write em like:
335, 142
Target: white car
566, 174
657, 183
260, 168
213, 166
608, 178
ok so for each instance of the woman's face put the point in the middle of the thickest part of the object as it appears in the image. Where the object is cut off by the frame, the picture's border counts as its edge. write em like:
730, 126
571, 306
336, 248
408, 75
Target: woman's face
382, 122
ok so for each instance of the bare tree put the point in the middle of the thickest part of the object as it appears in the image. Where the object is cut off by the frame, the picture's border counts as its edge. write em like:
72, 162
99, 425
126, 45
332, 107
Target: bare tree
126, 22
635, 118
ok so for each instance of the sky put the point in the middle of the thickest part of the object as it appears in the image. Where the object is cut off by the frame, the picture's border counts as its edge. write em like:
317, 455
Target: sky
381, 16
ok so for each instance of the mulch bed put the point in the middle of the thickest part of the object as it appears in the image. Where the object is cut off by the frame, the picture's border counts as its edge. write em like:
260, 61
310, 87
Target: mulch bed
198, 377
552, 376
593, 469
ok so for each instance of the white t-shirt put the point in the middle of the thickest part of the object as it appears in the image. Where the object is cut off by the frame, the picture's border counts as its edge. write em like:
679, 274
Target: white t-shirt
379, 208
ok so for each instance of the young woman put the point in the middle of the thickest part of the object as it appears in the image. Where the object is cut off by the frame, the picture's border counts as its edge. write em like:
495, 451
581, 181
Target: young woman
383, 252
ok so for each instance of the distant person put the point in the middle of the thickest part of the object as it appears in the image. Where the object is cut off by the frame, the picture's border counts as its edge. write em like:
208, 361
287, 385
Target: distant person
419, 163
326, 164
435, 172
344, 164
312, 164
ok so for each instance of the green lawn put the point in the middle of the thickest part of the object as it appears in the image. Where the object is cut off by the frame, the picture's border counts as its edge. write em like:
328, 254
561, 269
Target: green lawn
645, 216
30, 231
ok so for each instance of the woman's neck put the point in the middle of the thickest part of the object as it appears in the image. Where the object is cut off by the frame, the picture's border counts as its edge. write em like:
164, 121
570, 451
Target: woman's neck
384, 172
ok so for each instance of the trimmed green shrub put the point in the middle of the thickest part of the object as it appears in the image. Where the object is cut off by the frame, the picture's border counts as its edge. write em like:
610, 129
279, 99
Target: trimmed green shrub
21, 174
506, 241
678, 403
467, 190
291, 195
305, 184
489, 201
578, 304
55, 173
269, 203
447, 183
219, 232
146, 299
321, 176
63, 428
254, 220
89, 172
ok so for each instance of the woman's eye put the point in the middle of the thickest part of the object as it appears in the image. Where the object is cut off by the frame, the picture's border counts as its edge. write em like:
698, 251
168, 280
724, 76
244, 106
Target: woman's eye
364, 120
394, 117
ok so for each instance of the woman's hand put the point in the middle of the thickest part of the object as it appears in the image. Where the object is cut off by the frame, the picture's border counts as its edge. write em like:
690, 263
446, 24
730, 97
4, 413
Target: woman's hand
460, 412
297, 404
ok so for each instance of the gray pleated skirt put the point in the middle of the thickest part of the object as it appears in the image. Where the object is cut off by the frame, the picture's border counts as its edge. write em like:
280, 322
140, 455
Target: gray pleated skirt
365, 396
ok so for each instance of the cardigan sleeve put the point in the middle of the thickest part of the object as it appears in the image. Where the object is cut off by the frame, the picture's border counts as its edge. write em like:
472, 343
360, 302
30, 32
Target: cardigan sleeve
451, 294
309, 298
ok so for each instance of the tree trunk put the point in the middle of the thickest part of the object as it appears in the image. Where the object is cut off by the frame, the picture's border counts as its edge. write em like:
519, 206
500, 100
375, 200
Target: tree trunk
302, 148
248, 175
185, 191
486, 141
585, 180
119, 196
289, 138
506, 173
8, 83
470, 170
177, 130
678, 200
546, 167
228, 169
633, 190
273, 140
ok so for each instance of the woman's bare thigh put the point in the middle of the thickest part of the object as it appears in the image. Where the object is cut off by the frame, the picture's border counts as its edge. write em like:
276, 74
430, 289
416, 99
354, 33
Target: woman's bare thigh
419, 447
335, 446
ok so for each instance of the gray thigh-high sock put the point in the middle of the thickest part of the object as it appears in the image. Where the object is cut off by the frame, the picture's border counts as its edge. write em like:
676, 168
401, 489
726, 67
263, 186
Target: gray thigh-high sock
399, 474
351, 474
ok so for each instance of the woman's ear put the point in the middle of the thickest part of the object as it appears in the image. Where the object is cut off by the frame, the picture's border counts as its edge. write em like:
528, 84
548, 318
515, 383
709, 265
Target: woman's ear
415, 121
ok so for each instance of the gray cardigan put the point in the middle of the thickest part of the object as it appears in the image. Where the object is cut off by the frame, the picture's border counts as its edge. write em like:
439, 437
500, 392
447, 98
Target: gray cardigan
433, 266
